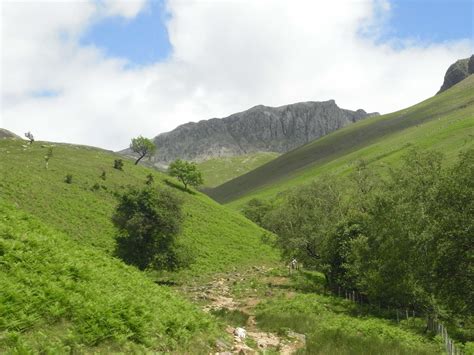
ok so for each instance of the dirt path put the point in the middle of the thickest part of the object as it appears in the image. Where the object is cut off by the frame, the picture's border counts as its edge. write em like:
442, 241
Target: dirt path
238, 293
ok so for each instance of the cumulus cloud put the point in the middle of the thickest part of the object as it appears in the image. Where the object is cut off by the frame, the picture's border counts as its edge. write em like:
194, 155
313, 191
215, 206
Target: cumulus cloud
227, 56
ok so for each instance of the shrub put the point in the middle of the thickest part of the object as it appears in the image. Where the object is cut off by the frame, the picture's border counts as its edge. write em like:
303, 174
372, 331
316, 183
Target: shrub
149, 179
68, 179
118, 164
103, 176
148, 222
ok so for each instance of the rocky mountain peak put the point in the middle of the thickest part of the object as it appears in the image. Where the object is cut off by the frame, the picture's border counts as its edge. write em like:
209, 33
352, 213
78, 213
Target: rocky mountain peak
457, 72
258, 129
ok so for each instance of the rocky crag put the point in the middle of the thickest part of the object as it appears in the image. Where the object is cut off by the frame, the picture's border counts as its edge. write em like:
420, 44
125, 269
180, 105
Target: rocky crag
259, 129
457, 72
7, 134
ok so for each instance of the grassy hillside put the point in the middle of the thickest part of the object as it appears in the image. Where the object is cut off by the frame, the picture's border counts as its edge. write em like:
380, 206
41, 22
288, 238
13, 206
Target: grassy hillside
218, 237
61, 288
59, 295
444, 122
219, 170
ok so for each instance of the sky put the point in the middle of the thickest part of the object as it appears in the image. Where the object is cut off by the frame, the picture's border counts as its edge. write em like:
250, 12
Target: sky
99, 72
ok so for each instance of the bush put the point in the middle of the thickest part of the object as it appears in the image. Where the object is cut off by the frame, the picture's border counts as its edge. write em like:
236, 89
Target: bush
103, 176
68, 179
149, 179
118, 164
148, 222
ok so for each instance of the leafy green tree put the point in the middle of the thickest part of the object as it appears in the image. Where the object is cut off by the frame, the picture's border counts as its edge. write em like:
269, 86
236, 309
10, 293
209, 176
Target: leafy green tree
143, 147
186, 172
256, 210
148, 223
306, 218
450, 249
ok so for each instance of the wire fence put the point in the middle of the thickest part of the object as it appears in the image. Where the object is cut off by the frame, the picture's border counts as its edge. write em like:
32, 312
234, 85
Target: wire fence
432, 323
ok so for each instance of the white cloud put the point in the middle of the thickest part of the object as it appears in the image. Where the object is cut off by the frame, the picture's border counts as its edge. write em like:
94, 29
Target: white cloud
227, 56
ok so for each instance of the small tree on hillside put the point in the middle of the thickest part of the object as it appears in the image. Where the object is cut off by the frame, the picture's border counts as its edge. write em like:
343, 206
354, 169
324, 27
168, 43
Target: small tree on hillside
143, 147
48, 156
30, 137
186, 172
148, 222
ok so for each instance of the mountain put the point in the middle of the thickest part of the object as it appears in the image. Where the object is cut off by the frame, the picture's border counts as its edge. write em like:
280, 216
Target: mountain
7, 134
457, 72
444, 122
259, 129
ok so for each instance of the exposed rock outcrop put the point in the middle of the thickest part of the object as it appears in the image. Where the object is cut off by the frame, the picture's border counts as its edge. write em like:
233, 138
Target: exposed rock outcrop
457, 72
7, 134
259, 129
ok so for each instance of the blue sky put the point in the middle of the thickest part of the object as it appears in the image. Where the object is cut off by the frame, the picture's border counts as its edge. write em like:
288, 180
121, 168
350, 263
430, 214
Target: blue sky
144, 39
227, 56
431, 20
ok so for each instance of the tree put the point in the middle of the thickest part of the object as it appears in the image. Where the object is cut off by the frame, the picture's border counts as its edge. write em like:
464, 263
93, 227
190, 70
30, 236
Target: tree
143, 147
256, 210
48, 156
305, 218
186, 172
30, 136
148, 222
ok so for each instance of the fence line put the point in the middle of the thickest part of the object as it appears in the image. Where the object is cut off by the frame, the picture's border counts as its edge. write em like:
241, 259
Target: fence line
432, 324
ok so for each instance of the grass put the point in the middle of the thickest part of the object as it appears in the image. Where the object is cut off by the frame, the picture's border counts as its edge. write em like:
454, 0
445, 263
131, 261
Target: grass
334, 325
219, 238
444, 122
233, 317
216, 171
58, 296
61, 289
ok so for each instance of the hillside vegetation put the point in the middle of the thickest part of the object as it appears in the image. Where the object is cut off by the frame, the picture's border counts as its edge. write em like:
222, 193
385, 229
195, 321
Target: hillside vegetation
61, 288
219, 238
216, 171
444, 122
58, 295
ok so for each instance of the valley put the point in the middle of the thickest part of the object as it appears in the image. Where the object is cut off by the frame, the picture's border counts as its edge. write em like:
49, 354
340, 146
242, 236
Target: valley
314, 230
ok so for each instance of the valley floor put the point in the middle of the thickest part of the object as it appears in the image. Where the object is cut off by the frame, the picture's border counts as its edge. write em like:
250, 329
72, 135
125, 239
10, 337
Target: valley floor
289, 314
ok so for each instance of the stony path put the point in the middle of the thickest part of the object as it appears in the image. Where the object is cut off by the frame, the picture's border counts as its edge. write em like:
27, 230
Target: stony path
218, 295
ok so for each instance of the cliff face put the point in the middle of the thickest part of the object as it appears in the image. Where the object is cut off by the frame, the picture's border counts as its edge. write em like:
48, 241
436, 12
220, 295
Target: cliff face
457, 72
259, 129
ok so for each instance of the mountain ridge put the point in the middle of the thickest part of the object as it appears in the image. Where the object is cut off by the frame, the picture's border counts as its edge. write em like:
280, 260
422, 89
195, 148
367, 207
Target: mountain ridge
258, 129
455, 102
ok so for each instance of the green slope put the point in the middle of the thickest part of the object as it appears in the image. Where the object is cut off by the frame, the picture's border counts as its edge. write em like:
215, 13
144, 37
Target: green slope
220, 238
444, 122
60, 296
219, 170
61, 289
